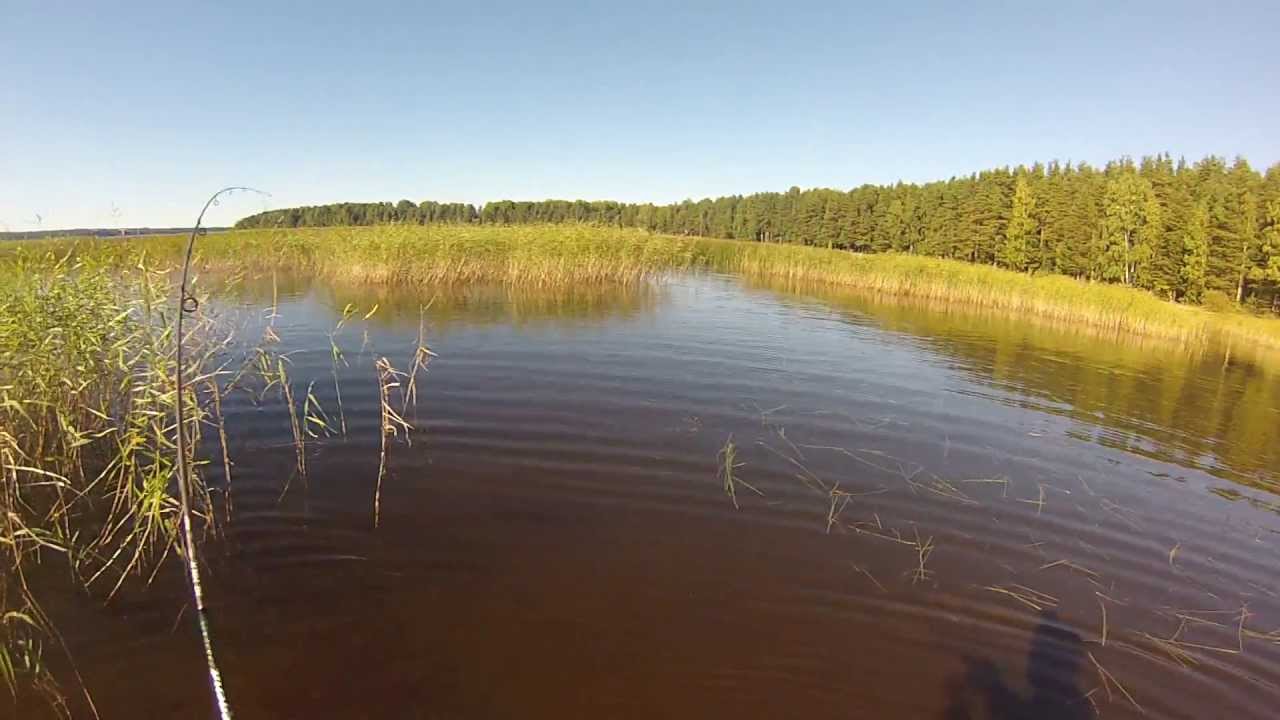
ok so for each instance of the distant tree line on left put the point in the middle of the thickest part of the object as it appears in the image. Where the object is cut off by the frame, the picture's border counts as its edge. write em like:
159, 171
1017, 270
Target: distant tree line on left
100, 232
374, 213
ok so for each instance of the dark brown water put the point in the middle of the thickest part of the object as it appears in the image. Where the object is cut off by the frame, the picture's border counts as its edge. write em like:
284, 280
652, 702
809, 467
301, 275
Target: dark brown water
556, 541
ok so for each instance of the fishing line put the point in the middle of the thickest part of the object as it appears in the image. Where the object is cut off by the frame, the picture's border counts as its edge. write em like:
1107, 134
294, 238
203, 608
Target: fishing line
188, 304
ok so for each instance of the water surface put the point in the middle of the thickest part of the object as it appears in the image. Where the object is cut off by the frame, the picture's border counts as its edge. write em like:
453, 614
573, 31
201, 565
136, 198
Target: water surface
948, 506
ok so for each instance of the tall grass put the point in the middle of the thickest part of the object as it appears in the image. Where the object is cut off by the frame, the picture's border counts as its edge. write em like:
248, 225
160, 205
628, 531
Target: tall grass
86, 432
1121, 310
559, 255
526, 256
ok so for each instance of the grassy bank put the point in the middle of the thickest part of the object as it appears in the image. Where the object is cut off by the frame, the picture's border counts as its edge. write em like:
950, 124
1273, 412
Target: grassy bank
532, 256
549, 256
1121, 310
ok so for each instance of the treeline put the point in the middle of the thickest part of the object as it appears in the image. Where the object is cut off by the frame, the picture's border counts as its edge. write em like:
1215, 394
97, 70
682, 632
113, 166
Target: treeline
378, 213
1208, 231
100, 232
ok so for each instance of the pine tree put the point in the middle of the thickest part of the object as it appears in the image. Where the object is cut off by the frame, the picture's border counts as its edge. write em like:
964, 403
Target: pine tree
1267, 268
938, 216
987, 213
1195, 263
1245, 185
1173, 194
858, 217
1015, 252
1055, 209
808, 220
1078, 251
832, 220
1246, 250
1213, 189
897, 221
1130, 226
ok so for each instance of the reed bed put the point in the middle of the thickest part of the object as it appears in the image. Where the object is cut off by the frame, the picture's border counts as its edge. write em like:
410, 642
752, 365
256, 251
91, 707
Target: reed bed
581, 255
1115, 309
88, 451
87, 439
432, 256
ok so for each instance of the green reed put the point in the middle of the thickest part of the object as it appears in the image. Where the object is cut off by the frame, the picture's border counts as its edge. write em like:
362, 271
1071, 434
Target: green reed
430, 256
579, 255
87, 440
1111, 308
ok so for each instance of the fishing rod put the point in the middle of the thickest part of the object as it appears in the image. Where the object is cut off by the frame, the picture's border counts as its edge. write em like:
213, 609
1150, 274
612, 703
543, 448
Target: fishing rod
187, 304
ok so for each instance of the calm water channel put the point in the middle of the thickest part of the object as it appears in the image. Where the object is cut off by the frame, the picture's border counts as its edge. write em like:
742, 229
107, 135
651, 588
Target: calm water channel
940, 514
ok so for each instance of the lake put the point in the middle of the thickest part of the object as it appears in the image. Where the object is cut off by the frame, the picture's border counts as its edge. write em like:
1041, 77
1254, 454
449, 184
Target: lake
935, 513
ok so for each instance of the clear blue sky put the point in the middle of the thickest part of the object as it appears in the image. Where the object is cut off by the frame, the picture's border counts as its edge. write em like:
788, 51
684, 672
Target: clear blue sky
132, 114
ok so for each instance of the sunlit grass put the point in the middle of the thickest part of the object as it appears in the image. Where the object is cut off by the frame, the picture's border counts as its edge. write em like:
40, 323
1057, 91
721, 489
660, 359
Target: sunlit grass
525, 256
578, 255
1121, 310
87, 437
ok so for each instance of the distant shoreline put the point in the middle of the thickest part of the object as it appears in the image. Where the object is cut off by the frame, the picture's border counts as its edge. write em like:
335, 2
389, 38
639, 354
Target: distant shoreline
566, 255
99, 232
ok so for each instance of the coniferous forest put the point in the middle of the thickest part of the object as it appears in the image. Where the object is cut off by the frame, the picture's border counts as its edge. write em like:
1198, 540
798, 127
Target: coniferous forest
1207, 232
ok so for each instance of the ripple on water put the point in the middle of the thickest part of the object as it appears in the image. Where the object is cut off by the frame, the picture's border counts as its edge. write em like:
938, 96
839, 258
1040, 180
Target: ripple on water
948, 509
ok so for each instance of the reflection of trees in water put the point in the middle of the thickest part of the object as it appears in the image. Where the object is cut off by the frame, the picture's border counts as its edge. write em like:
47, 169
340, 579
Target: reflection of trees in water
1164, 401
398, 307
1054, 662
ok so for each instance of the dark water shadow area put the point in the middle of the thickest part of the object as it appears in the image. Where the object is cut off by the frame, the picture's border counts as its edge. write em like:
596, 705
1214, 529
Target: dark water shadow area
1053, 669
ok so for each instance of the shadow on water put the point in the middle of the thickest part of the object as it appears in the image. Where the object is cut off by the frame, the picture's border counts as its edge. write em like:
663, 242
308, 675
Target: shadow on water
1053, 669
